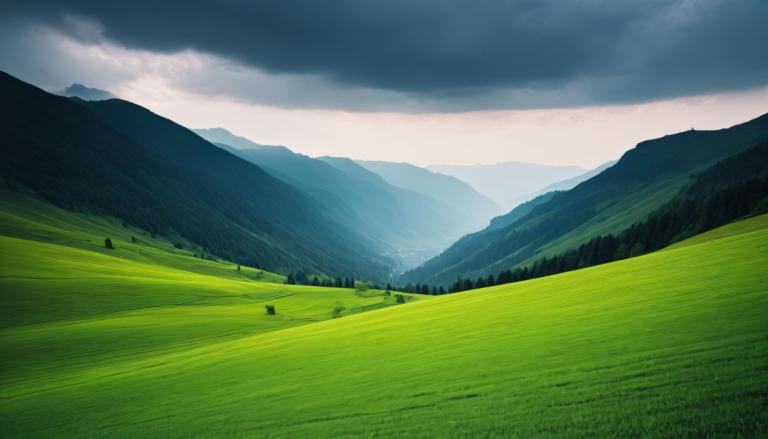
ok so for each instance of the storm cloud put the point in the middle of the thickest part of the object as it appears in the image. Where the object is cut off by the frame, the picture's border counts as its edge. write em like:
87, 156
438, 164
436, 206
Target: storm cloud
443, 55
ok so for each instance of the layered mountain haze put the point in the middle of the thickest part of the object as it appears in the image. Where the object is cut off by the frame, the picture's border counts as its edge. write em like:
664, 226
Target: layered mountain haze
447, 189
511, 183
410, 221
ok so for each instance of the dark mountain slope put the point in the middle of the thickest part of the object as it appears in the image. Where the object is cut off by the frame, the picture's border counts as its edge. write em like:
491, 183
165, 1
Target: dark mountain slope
345, 200
123, 160
644, 179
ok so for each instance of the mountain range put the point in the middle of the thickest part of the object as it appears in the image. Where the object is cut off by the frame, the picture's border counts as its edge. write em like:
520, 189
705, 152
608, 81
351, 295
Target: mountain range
267, 206
410, 213
510, 183
122, 160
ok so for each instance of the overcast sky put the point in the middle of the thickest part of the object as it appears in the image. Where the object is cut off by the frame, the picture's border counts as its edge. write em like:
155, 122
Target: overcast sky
430, 81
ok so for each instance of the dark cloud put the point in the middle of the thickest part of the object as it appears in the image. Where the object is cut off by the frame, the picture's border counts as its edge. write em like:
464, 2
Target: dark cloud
456, 54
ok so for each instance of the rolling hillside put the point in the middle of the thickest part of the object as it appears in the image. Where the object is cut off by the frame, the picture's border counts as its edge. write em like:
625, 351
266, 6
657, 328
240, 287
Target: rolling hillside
668, 344
645, 178
71, 302
123, 160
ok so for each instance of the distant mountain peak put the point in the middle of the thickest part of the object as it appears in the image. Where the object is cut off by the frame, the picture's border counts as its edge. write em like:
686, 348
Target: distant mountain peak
86, 93
220, 135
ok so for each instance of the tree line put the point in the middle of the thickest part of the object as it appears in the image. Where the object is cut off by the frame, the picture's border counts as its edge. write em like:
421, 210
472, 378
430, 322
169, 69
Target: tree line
301, 278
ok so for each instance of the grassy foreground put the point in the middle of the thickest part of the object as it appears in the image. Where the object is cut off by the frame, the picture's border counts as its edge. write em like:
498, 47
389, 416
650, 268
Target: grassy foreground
669, 344
69, 304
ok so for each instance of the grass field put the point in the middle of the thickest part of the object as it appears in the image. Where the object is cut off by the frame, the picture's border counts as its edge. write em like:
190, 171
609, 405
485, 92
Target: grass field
69, 303
669, 344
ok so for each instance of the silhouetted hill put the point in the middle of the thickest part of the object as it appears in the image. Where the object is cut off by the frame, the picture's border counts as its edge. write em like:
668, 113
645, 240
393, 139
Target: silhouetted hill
86, 93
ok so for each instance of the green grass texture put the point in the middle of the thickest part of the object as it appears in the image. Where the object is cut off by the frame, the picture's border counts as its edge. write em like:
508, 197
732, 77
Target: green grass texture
670, 344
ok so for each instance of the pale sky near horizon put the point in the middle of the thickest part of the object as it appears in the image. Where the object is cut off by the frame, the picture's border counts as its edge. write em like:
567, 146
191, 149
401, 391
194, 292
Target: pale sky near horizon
540, 82
585, 137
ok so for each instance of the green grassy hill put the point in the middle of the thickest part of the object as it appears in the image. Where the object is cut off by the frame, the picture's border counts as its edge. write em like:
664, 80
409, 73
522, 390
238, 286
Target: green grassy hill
669, 344
68, 302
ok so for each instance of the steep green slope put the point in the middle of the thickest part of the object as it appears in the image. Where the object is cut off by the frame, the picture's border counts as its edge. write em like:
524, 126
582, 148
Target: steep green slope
642, 181
132, 164
732, 189
668, 344
518, 212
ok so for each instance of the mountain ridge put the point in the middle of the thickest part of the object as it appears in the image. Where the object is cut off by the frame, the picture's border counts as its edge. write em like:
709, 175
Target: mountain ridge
642, 180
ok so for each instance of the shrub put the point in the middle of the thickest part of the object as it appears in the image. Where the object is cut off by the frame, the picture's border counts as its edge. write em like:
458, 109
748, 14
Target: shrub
270, 309
108, 244
337, 310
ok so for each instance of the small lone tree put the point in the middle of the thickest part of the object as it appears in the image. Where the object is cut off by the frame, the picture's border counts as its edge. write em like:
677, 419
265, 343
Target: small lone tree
337, 310
133, 239
400, 298
270, 309
108, 244
238, 268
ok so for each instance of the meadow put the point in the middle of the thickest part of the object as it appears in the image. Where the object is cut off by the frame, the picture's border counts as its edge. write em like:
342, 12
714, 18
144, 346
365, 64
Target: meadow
68, 302
673, 343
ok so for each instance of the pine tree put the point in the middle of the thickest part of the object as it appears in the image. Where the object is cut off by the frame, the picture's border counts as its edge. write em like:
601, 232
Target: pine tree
108, 244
